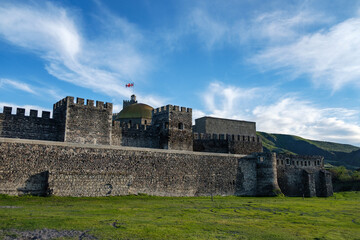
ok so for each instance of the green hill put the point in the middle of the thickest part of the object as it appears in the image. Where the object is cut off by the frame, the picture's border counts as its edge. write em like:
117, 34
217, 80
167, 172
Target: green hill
334, 153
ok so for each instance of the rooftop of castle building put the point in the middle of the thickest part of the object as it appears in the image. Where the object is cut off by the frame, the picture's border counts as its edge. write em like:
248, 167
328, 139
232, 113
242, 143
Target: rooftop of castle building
137, 110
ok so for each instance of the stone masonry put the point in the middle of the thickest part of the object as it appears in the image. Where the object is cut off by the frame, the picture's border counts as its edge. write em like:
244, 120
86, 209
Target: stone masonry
303, 175
85, 153
68, 169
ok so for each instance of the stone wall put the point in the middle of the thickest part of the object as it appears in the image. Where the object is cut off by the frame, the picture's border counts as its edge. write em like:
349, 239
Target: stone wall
68, 169
28, 127
85, 123
174, 125
266, 174
224, 126
140, 136
303, 176
225, 143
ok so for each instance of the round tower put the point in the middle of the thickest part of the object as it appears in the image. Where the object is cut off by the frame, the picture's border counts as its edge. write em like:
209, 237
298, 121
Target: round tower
267, 184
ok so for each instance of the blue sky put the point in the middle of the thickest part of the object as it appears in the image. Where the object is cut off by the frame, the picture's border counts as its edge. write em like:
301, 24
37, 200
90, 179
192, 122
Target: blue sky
291, 66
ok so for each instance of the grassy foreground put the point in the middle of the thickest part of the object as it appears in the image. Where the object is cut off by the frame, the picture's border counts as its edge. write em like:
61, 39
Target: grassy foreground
147, 217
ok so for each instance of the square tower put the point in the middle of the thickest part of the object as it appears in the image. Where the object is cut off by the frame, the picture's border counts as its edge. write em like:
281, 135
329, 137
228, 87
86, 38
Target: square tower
86, 124
174, 125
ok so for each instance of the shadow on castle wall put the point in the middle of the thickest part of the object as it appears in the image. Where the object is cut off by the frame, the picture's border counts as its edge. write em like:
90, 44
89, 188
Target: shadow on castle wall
36, 185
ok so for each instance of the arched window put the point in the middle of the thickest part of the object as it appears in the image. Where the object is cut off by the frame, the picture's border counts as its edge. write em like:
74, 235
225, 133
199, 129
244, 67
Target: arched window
145, 122
181, 126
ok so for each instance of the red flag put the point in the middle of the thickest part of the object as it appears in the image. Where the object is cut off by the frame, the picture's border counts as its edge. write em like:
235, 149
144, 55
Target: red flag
129, 85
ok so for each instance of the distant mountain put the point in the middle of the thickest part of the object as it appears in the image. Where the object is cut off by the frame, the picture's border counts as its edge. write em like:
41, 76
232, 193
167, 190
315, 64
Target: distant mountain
334, 153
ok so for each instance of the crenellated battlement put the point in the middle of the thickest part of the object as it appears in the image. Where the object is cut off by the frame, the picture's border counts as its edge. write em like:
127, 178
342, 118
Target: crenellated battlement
28, 126
284, 160
171, 108
67, 101
20, 112
239, 138
117, 125
63, 102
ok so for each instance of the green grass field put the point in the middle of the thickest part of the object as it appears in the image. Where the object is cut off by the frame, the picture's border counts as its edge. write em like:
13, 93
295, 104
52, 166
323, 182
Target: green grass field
147, 217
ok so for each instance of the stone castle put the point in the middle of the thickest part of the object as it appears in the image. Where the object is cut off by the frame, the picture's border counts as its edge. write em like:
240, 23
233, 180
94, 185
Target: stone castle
86, 150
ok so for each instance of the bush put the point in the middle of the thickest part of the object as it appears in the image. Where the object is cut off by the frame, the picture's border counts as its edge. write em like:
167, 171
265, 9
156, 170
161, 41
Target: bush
344, 175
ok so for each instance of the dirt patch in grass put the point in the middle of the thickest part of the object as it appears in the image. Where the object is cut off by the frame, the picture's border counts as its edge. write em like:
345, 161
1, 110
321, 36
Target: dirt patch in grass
45, 234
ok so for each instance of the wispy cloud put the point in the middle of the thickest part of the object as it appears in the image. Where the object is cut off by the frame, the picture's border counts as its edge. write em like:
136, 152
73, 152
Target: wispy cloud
211, 32
293, 116
214, 28
287, 114
103, 64
4, 83
228, 101
329, 57
283, 26
45, 92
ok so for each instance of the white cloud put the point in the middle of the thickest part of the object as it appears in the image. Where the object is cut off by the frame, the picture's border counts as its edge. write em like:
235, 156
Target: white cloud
117, 108
103, 64
222, 100
210, 31
215, 28
48, 29
154, 101
196, 113
45, 92
292, 116
17, 85
330, 57
287, 115
284, 25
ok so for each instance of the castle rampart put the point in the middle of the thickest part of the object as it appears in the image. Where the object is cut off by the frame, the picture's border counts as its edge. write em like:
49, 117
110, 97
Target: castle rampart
28, 127
174, 125
226, 143
303, 176
134, 135
267, 179
89, 170
84, 123
69, 166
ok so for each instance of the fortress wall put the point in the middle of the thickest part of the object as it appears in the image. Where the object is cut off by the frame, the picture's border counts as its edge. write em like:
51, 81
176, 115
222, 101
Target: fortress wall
267, 184
86, 170
116, 134
303, 176
240, 147
28, 127
140, 137
224, 126
88, 123
304, 162
180, 129
60, 113
225, 143
134, 136
174, 125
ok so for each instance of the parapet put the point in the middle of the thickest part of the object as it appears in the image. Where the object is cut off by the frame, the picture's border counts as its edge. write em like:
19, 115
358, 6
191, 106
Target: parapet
237, 138
20, 112
63, 102
300, 161
81, 102
127, 126
171, 108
